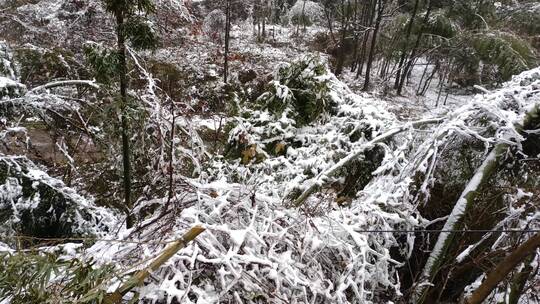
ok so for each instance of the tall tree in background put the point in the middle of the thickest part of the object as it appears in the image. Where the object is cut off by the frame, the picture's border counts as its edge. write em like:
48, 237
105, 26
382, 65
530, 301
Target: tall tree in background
380, 11
130, 26
345, 21
412, 57
405, 48
227, 39
368, 15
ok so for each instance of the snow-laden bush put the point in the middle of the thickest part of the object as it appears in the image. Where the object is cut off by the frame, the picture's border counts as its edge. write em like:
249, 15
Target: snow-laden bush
305, 114
34, 204
306, 13
300, 94
9, 84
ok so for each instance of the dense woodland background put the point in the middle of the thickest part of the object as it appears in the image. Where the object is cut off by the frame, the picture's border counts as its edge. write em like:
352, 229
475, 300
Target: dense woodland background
269, 151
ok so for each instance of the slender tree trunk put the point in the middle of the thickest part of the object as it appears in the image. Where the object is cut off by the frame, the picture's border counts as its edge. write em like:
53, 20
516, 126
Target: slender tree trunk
341, 50
368, 21
330, 24
126, 150
356, 36
380, 11
227, 39
412, 58
405, 50
304, 16
500, 272
423, 76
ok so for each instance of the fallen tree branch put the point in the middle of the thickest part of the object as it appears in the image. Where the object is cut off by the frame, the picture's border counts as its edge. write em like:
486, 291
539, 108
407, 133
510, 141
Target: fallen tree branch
138, 278
63, 83
488, 167
320, 179
503, 269
463, 204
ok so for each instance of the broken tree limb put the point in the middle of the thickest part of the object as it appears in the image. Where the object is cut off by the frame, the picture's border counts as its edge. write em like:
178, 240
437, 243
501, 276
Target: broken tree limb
463, 204
503, 269
320, 179
63, 83
488, 167
138, 278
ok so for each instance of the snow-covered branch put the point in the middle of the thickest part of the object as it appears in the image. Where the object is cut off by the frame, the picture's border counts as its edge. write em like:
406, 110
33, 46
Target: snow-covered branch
63, 83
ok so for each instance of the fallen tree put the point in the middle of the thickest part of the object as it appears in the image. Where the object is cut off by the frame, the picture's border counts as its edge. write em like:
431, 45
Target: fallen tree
320, 179
464, 204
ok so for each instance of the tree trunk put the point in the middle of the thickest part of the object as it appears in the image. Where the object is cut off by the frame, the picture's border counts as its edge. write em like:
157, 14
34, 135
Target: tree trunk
380, 12
341, 50
412, 58
500, 272
368, 21
126, 150
227, 39
405, 50
356, 36
329, 22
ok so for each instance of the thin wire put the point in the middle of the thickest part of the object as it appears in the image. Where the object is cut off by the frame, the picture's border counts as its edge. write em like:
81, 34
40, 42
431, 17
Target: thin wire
25, 237
448, 231
45, 239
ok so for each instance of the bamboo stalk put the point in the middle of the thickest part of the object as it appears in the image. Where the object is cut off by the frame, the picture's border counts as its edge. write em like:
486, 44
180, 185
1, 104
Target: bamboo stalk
463, 205
139, 277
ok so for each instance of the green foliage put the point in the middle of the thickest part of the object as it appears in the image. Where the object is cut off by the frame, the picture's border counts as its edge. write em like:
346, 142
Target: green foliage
509, 53
472, 15
441, 25
38, 65
300, 89
103, 61
135, 27
129, 7
488, 56
32, 278
140, 34
523, 18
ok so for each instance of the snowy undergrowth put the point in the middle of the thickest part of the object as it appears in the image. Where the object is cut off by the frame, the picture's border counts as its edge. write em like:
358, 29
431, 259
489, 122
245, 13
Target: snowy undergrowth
33, 203
257, 249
